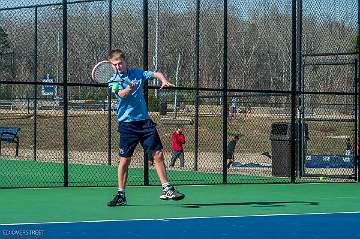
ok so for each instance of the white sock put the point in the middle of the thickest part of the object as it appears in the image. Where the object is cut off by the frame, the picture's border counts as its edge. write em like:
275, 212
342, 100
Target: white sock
121, 191
166, 185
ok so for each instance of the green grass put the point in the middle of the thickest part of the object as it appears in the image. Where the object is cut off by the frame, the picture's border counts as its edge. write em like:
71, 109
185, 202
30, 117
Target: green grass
15, 173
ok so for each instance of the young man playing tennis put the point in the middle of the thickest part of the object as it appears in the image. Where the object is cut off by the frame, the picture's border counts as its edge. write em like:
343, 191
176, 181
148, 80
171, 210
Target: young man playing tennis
135, 125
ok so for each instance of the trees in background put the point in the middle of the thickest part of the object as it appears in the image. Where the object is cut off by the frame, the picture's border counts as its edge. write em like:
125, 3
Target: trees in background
259, 53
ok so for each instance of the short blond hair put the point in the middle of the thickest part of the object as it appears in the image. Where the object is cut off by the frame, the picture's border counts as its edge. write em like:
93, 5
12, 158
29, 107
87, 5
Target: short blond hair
116, 52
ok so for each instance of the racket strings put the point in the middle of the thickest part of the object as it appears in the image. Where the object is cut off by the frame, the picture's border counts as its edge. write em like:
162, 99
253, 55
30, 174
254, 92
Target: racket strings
104, 72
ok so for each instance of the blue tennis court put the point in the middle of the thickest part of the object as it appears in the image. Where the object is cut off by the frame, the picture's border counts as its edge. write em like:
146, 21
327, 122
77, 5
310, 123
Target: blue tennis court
333, 225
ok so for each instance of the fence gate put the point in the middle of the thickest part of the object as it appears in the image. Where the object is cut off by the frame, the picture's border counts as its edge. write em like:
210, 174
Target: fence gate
328, 116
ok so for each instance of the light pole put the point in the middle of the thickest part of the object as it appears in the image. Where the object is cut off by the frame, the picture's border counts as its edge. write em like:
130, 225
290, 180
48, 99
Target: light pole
176, 84
58, 9
156, 56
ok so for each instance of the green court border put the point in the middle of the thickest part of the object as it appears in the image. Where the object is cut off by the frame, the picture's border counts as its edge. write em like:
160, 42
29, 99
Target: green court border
28, 173
75, 204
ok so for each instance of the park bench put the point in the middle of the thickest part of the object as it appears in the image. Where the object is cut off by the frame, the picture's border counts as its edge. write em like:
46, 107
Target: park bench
10, 135
7, 105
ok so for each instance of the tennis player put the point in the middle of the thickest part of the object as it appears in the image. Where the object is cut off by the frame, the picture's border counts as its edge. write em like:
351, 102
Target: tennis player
136, 126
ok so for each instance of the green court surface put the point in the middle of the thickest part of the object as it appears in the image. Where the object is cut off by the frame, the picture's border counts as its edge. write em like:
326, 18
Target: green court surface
89, 204
28, 173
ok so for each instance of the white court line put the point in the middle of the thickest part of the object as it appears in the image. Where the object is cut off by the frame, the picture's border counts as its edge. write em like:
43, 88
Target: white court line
346, 197
131, 186
184, 218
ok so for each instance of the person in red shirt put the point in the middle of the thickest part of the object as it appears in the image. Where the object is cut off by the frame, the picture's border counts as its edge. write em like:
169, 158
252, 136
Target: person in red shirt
177, 139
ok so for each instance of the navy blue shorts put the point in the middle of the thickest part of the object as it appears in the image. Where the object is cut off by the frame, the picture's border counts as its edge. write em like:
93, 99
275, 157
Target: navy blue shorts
131, 133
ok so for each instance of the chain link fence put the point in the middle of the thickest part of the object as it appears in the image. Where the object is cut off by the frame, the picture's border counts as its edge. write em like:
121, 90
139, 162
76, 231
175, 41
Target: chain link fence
266, 91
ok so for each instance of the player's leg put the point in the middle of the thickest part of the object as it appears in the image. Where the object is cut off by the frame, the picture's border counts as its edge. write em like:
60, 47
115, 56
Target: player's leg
173, 158
120, 197
128, 141
230, 161
160, 166
123, 172
168, 192
182, 159
151, 142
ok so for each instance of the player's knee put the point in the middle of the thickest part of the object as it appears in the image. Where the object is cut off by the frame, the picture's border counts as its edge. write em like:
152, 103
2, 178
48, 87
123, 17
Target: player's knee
124, 161
158, 155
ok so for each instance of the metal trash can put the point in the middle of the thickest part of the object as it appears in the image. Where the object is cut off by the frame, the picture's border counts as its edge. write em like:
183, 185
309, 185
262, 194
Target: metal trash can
163, 108
281, 148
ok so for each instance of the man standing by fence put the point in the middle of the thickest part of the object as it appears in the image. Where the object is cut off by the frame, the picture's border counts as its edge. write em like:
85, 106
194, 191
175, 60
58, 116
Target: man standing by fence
178, 139
231, 150
234, 106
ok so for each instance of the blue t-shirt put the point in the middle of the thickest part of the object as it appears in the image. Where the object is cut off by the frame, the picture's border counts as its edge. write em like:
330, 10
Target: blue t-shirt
133, 107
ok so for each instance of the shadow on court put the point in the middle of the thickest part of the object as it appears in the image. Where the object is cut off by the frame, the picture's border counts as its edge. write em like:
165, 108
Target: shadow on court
255, 204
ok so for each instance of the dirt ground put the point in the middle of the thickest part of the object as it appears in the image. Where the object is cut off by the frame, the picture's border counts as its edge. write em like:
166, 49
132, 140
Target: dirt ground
88, 138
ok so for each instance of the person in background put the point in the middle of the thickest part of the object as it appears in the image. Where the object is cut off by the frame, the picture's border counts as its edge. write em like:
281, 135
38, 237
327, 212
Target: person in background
234, 106
348, 147
177, 141
231, 150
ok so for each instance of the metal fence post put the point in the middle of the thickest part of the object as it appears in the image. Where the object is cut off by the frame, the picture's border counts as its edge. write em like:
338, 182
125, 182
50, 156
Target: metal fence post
225, 91
358, 92
109, 125
300, 96
197, 83
109, 90
66, 139
293, 91
356, 134
357, 146
35, 80
145, 66
110, 24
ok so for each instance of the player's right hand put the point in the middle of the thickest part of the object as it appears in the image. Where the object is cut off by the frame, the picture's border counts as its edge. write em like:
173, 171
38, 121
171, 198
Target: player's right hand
132, 85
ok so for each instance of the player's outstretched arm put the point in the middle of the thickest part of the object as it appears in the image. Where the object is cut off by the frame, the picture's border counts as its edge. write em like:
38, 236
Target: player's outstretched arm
163, 80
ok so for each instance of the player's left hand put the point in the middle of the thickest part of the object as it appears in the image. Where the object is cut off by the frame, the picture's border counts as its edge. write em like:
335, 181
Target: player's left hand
165, 84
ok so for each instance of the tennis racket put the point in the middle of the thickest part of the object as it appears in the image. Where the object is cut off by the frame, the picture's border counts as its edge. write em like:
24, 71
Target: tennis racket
104, 71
